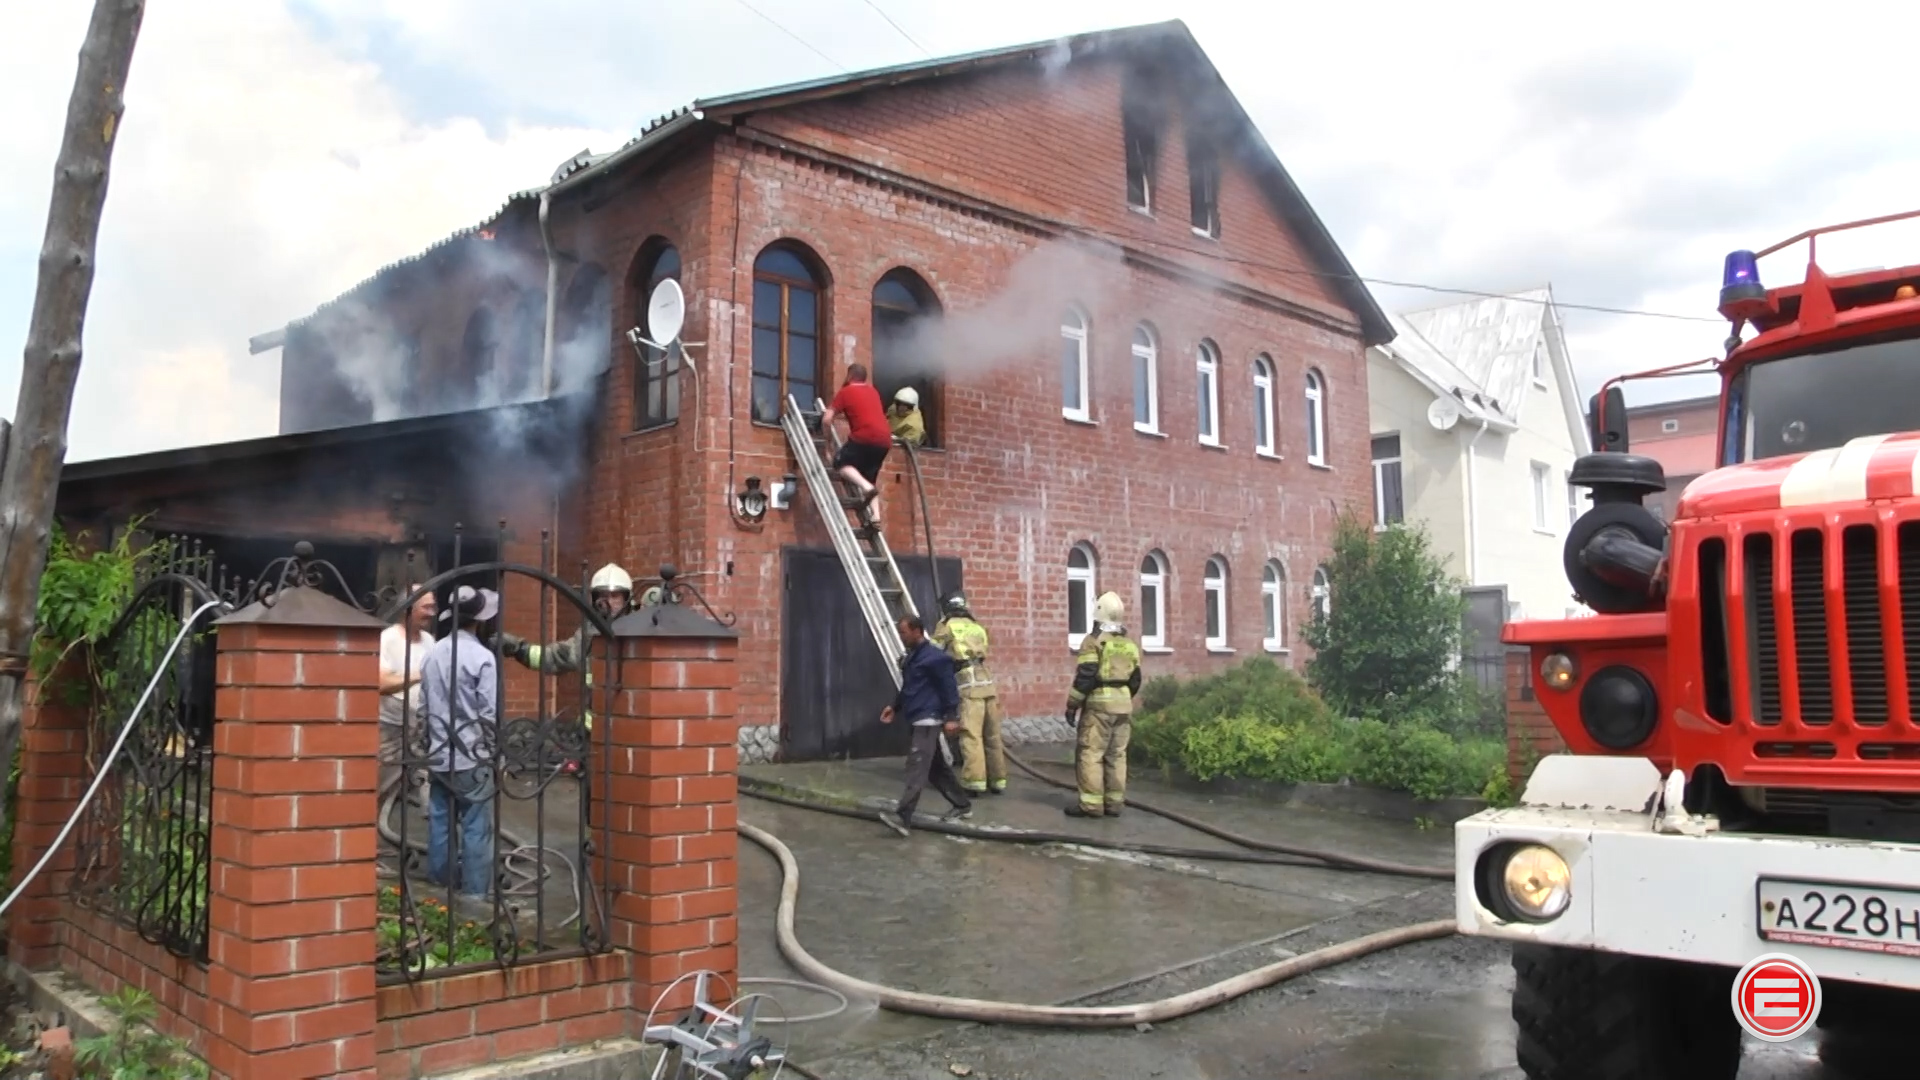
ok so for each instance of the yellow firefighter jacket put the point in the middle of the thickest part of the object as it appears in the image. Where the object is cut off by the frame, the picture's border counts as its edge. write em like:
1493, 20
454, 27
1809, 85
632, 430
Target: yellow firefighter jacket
966, 643
1107, 673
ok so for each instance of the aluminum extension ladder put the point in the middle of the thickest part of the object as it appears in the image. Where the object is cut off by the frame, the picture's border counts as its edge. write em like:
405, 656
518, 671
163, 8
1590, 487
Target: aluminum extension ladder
857, 539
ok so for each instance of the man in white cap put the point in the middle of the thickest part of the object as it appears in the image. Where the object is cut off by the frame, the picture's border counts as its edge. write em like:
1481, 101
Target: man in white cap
461, 680
1106, 679
905, 419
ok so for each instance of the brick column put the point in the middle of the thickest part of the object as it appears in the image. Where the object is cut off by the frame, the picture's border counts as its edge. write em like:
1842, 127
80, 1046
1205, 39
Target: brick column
53, 775
671, 807
290, 984
1530, 734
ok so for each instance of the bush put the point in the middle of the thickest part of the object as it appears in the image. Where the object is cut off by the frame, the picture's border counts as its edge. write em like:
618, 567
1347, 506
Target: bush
1258, 689
1248, 748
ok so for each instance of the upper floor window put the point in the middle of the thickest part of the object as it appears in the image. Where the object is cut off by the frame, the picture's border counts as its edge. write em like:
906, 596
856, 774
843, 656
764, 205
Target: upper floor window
1075, 401
1208, 393
1146, 380
1140, 129
480, 356
786, 330
1316, 420
1080, 581
1273, 605
1669, 426
1215, 584
1153, 601
656, 372
1263, 441
1389, 500
902, 301
1203, 180
583, 345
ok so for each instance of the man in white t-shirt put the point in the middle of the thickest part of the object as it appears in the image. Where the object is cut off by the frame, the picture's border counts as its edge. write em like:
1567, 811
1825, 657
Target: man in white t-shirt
400, 696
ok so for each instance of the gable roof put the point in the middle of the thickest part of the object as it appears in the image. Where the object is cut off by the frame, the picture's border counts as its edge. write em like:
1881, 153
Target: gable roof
1286, 197
1480, 353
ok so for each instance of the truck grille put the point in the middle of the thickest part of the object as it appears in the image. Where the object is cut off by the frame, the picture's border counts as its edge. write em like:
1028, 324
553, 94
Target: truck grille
1825, 665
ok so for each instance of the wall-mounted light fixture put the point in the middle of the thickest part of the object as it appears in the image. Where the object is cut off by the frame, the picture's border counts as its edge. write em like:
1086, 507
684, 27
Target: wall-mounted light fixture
752, 500
783, 495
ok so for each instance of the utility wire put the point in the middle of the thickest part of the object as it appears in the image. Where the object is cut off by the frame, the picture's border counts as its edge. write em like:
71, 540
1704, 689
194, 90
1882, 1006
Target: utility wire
878, 10
782, 28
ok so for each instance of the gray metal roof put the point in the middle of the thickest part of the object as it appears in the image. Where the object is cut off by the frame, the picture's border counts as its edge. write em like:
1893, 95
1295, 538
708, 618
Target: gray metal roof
1480, 351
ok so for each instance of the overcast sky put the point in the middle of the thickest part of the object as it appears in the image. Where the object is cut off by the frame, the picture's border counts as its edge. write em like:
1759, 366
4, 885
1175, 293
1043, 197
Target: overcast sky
275, 152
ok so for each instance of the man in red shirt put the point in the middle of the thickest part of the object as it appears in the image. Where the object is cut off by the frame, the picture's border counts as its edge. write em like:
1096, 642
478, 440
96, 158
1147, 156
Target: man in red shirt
869, 435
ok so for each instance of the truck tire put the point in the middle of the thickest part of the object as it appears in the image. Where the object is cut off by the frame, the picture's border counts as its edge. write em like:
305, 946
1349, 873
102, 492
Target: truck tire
1586, 1015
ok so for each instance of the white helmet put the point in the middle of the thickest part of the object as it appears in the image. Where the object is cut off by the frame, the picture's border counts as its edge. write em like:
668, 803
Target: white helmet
908, 396
1109, 608
610, 578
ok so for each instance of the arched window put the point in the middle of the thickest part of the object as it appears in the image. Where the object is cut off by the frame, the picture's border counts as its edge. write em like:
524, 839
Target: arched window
1215, 583
1146, 380
1322, 593
1080, 582
1208, 393
901, 301
1316, 420
1263, 426
1273, 604
786, 330
479, 358
1153, 601
583, 342
525, 345
656, 372
1076, 399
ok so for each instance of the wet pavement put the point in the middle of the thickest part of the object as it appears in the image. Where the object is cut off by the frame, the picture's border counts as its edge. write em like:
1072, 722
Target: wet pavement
1058, 925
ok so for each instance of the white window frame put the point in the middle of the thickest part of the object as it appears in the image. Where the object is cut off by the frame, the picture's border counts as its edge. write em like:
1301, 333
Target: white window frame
1207, 401
1273, 598
1263, 407
1213, 585
1316, 419
1573, 501
1147, 354
1074, 328
1156, 579
1322, 592
1380, 521
1542, 476
1089, 574
1669, 425
1540, 366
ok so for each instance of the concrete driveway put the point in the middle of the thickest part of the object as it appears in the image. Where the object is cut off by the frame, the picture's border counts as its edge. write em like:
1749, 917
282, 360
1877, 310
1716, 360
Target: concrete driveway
1060, 925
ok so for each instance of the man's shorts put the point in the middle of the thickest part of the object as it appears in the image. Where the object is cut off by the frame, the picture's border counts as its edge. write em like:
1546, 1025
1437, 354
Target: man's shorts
865, 458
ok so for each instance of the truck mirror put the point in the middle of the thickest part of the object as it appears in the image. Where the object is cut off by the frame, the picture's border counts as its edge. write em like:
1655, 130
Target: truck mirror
1607, 421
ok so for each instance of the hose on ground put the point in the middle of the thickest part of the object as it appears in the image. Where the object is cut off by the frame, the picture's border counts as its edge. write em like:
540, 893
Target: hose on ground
1005, 1012
1034, 836
1331, 858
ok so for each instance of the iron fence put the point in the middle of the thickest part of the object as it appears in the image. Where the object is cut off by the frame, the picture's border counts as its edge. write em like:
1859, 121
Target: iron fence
142, 847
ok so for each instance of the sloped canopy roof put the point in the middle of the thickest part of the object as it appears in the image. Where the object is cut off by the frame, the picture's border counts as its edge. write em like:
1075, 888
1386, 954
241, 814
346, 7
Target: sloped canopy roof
1481, 351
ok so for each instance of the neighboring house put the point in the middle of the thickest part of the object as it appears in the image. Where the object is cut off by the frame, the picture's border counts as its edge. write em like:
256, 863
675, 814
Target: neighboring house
1680, 435
1476, 425
1174, 413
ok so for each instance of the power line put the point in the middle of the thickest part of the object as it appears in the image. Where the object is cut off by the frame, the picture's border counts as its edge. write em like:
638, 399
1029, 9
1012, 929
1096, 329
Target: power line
903, 32
782, 28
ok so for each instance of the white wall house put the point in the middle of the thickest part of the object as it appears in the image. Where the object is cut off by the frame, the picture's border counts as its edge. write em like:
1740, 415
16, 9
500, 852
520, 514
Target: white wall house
1476, 423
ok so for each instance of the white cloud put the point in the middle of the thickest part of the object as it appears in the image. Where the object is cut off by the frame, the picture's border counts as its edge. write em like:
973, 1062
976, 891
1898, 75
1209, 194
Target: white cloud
269, 161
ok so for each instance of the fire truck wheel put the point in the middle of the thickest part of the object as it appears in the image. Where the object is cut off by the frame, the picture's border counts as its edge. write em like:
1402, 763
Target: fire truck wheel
1599, 1016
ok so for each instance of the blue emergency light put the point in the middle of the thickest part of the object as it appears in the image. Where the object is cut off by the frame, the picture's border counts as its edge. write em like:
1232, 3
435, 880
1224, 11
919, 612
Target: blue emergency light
1740, 290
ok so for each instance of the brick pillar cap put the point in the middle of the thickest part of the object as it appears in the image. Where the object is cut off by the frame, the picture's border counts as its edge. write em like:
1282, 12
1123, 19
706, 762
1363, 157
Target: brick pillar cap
302, 606
669, 621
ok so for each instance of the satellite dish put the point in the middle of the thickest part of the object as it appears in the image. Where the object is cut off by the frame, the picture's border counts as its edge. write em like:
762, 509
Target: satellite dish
1443, 414
666, 312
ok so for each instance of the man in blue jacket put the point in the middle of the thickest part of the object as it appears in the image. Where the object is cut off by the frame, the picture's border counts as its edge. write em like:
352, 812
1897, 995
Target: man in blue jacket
929, 700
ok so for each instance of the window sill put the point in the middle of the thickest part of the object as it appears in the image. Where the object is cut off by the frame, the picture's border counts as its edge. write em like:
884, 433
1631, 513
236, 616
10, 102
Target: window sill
1319, 465
1088, 421
1211, 445
651, 429
1156, 650
1152, 432
1269, 455
1205, 234
1220, 650
1275, 648
1143, 211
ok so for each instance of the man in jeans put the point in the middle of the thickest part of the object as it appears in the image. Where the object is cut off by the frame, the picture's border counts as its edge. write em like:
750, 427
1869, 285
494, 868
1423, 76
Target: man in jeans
403, 649
929, 698
462, 684
869, 435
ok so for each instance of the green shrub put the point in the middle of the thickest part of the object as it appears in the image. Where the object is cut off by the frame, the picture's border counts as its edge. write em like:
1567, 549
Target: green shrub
1249, 748
1260, 689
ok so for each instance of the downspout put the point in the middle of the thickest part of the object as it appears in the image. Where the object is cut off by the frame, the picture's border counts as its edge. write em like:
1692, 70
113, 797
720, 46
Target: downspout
1473, 518
553, 290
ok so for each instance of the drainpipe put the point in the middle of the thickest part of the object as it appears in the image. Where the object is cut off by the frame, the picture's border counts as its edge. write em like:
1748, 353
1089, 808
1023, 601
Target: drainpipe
553, 289
1473, 518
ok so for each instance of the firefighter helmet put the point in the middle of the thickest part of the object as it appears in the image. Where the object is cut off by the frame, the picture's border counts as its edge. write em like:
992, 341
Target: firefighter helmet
610, 578
908, 396
1109, 608
955, 604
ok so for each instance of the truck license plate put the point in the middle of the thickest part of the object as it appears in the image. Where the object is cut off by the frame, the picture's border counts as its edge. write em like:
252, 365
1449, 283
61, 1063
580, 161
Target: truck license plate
1868, 918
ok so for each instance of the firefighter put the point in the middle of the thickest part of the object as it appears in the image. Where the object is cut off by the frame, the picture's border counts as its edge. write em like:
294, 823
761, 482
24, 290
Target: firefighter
905, 419
983, 757
1100, 706
611, 591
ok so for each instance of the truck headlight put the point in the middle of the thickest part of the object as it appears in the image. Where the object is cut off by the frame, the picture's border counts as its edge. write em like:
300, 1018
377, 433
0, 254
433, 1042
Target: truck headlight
1619, 708
1537, 883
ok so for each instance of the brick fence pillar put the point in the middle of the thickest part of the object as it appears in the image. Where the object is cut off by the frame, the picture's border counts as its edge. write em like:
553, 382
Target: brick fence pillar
290, 984
1530, 734
53, 775
671, 807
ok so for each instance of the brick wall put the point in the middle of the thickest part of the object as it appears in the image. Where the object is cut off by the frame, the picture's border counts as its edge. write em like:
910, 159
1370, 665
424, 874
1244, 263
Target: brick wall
438, 1025
1530, 734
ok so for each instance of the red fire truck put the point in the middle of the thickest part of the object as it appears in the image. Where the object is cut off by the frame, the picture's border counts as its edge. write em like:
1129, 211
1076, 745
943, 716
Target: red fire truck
1742, 713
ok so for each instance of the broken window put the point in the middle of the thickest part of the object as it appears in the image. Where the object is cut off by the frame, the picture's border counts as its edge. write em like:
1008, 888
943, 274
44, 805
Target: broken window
1203, 180
786, 331
656, 372
902, 357
1140, 125
480, 358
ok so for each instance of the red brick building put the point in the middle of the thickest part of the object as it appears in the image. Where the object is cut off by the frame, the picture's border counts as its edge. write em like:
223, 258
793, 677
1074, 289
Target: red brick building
1140, 353
1680, 435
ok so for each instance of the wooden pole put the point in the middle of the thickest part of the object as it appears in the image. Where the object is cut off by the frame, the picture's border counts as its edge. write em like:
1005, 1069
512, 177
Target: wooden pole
36, 447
